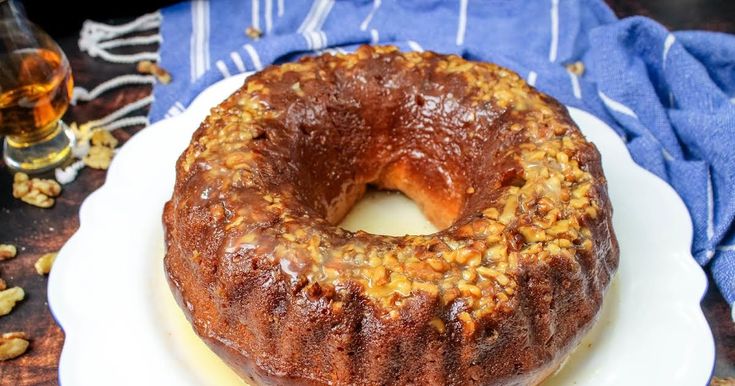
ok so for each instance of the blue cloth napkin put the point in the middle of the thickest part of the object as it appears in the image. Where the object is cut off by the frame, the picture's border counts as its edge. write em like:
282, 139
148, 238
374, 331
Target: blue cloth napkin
669, 95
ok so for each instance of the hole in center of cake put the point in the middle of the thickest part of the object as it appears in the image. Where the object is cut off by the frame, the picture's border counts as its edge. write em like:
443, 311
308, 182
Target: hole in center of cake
387, 213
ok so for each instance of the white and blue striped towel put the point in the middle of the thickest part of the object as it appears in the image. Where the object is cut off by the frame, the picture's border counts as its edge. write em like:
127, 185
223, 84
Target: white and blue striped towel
670, 95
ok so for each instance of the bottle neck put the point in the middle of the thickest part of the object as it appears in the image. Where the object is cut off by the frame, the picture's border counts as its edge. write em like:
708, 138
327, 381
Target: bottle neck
16, 31
10, 10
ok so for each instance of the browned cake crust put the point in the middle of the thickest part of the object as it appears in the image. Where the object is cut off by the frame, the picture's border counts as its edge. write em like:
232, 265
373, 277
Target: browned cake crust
500, 296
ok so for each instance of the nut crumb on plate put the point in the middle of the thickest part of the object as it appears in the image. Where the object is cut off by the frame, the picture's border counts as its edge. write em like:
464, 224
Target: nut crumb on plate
8, 298
12, 345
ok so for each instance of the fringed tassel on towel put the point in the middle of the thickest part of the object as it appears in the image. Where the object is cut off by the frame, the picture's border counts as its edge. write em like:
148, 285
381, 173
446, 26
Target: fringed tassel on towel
97, 39
84, 95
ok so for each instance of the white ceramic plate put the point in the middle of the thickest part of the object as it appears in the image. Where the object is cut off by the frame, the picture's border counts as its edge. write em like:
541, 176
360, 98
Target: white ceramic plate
108, 292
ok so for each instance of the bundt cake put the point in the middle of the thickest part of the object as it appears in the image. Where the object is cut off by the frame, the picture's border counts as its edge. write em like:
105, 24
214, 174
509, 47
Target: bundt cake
499, 296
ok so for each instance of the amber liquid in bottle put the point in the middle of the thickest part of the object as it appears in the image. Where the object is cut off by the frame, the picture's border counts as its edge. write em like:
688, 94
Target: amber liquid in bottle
31, 107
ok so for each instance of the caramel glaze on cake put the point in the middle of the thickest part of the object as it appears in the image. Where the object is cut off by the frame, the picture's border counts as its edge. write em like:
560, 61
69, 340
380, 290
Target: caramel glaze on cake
500, 296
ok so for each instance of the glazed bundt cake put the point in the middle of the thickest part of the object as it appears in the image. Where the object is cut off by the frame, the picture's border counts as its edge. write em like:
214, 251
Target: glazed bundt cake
499, 296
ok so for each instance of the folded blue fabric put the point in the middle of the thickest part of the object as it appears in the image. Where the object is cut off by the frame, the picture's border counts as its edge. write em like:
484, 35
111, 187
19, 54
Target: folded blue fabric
670, 96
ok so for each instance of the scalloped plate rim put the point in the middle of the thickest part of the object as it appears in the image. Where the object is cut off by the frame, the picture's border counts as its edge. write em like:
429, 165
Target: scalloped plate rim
99, 207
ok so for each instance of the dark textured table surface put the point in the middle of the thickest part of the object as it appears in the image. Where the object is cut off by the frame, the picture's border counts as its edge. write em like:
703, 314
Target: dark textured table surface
37, 231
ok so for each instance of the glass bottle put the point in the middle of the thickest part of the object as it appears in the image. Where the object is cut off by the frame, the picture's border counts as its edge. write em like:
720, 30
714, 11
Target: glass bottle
35, 89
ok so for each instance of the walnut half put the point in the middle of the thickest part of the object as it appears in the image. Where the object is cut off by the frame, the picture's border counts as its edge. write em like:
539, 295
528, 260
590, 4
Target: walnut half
37, 192
44, 263
8, 298
99, 157
7, 251
12, 345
